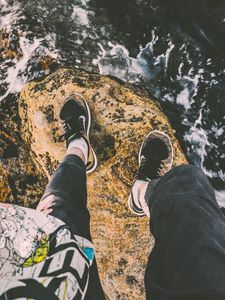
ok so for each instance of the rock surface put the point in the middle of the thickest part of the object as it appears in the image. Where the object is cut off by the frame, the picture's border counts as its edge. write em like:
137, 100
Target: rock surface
20, 181
122, 116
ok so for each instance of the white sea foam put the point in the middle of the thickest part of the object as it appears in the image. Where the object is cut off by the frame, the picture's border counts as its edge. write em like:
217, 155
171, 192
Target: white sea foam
9, 14
184, 98
198, 139
15, 82
220, 197
219, 131
116, 61
167, 54
84, 2
81, 15
190, 87
17, 71
15, 75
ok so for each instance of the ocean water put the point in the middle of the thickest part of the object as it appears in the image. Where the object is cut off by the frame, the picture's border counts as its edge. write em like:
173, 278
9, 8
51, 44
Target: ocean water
177, 54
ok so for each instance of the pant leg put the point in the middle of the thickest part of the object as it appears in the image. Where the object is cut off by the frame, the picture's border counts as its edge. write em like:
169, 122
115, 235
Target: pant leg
68, 185
188, 259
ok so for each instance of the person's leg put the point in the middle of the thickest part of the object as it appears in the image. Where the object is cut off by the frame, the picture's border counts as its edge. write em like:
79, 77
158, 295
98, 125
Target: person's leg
65, 196
188, 259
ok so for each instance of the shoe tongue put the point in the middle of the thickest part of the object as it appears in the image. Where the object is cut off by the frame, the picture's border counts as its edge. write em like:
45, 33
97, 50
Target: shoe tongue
157, 150
72, 109
77, 124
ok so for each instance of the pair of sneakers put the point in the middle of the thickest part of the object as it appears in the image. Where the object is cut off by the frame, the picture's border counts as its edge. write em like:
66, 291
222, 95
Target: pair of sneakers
155, 154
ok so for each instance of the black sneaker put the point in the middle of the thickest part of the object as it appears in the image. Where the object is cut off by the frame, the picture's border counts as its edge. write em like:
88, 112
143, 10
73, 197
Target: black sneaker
155, 159
76, 118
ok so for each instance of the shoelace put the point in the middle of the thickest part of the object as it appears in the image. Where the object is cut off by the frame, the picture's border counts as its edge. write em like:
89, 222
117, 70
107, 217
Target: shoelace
67, 128
161, 166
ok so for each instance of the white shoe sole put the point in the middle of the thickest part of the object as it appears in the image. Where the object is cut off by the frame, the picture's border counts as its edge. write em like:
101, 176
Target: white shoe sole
131, 209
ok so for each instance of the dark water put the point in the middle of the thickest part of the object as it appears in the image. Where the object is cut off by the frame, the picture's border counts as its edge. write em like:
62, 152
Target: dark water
174, 48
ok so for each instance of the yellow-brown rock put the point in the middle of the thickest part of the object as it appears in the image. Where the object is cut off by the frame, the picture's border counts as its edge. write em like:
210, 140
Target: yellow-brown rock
122, 116
5, 190
20, 181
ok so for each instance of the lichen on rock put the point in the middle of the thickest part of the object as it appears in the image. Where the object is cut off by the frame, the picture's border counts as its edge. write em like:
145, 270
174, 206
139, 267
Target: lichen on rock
122, 116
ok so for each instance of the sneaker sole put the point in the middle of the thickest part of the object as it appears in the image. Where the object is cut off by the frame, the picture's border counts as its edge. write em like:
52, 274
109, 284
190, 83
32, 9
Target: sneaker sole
88, 128
130, 202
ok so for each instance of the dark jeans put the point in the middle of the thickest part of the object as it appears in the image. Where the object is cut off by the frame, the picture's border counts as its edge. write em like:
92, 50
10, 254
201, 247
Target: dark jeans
188, 259
68, 185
